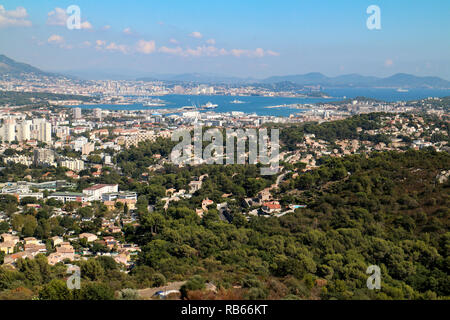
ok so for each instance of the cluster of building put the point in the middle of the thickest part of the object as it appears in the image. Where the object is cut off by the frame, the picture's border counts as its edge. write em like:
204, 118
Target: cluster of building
410, 131
62, 251
115, 91
86, 142
21, 129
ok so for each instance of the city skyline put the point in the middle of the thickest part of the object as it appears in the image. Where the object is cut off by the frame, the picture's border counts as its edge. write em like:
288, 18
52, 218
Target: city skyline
234, 39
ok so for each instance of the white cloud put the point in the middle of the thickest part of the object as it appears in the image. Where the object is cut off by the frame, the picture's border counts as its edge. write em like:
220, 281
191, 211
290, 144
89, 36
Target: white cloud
211, 41
238, 52
55, 39
59, 16
14, 18
86, 25
102, 45
127, 31
174, 41
196, 35
257, 53
203, 51
107, 27
117, 47
209, 51
149, 47
272, 53
146, 47
212, 51
174, 51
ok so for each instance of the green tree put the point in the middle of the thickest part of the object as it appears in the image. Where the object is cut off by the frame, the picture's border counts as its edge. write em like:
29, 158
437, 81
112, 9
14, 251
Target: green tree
194, 283
92, 269
95, 291
55, 290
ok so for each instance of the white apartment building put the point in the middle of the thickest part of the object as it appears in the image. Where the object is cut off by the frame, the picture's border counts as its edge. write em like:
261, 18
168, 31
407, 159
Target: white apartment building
62, 131
98, 113
8, 130
97, 191
41, 130
139, 137
72, 164
87, 148
20, 159
78, 144
24, 130
77, 113
45, 132
44, 157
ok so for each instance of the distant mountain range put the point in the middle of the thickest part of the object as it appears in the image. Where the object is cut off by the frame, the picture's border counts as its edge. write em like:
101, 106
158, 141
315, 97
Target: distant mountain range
399, 80
11, 68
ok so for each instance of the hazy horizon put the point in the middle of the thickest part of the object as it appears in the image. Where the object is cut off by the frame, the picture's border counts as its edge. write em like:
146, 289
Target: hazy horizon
235, 39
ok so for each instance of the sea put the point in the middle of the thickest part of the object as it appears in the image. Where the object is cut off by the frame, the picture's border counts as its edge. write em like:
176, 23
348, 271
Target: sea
259, 105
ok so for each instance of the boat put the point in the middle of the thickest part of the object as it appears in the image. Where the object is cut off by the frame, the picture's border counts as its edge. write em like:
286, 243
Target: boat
236, 101
153, 104
210, 105
402, 90
189, 108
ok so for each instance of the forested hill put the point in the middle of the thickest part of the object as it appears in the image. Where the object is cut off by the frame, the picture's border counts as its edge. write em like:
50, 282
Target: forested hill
15, 98
387, 210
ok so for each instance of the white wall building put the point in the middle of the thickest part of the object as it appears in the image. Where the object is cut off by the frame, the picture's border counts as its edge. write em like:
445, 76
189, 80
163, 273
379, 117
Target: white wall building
77, 113
72, 164
8, 131
95, 192
24, 130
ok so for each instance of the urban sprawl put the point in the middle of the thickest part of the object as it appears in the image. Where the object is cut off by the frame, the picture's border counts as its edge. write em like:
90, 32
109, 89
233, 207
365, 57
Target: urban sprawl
57, 160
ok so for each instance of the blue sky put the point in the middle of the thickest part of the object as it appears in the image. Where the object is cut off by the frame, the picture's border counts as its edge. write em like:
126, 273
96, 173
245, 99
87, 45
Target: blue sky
242, 38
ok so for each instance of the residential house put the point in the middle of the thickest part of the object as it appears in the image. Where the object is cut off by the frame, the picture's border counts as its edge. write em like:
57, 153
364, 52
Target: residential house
206, 203
57, 240
88, 236
12, 258
115, 229
7, 247
110, 242
63, 252
271, 207
31, 240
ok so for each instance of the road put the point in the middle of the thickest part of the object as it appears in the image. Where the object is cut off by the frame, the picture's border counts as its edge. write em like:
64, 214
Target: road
149, 292
279, 179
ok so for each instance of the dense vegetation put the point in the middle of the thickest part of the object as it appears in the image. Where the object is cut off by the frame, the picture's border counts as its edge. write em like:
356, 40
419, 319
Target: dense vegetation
330, 131
36, 98
291, 135
386, 209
